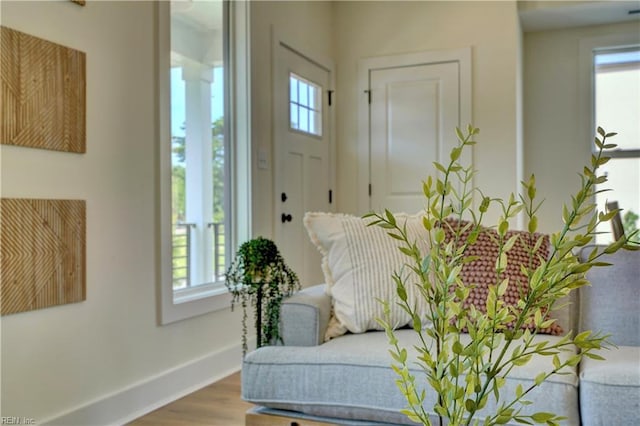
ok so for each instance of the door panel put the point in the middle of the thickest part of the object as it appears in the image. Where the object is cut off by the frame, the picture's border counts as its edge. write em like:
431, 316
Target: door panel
302, 160
291, 187
414, 110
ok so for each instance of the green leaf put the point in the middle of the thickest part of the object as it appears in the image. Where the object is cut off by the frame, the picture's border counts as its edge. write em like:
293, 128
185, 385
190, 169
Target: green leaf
594, 356
510, 242
531, 187
542, 417
519, 391
470, 405
523, 360
502, 289
406, 251
582, 336
484, 205
402, 292
417, 323
390, 218
501, 262
457, 347
540, 378
440, 167
503, 227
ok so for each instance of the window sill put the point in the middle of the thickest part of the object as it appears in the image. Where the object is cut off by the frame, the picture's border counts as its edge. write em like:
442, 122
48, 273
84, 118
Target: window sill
199, 292
187, 304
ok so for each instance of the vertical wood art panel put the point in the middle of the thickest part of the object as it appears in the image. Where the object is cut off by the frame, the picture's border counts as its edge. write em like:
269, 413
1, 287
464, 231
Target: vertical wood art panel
43, 93
42, 256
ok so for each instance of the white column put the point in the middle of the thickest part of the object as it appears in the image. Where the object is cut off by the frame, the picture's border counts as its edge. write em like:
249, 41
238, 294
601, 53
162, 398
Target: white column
198, 176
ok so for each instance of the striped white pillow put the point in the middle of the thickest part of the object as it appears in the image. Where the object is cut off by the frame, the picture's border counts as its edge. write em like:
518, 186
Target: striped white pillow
358, 262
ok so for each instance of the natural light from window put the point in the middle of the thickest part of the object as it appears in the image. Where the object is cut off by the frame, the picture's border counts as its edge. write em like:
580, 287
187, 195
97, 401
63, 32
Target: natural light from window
617, 109
197, 145
305, 105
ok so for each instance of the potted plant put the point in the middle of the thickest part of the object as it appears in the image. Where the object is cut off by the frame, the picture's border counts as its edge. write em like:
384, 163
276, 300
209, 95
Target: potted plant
468, 375
258, 276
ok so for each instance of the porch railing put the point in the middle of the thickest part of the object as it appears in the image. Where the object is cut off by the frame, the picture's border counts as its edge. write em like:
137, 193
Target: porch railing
181, 253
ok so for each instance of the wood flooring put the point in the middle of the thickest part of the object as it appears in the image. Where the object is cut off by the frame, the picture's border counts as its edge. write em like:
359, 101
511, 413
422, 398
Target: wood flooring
218, 404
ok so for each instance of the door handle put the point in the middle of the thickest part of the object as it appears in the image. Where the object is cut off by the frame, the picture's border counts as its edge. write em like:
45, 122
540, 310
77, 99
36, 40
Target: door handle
285, 218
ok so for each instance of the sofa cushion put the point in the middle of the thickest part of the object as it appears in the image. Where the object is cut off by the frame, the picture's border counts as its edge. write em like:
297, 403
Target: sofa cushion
358, 262
610, 390
481, 273
350, 377
612, 302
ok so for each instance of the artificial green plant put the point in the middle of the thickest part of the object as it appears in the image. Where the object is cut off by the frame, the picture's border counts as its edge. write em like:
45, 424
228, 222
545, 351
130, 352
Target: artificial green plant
259, 276
467, 377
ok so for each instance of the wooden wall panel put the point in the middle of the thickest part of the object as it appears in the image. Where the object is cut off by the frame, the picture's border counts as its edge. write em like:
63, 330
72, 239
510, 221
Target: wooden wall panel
42, 253
43, 93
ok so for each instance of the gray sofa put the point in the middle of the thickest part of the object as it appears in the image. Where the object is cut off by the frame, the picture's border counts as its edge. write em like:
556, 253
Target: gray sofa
348, 380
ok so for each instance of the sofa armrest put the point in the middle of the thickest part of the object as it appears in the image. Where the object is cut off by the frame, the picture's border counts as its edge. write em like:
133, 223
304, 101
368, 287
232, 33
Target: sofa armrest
304, 317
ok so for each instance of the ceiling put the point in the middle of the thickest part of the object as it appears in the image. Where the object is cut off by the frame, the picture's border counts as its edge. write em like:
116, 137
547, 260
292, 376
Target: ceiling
201, 15
548, 15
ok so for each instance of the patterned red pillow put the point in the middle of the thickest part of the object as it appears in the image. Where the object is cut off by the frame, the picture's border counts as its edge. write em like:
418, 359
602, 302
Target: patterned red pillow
481, 272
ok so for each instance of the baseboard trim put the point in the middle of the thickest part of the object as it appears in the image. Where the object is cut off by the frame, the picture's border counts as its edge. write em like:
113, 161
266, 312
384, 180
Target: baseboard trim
145, 396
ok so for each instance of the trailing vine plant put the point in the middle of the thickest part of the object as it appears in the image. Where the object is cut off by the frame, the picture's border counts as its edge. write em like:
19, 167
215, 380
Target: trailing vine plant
468, 375
259, 276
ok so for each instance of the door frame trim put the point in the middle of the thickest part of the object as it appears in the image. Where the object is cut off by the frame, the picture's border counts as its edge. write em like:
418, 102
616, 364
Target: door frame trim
463, 56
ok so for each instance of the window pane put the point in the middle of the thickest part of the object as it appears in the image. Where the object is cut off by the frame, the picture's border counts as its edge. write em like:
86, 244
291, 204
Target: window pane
617, 108
617, 95
306, 113
304, 120
197, 103
304, 94
293, 89
312, 97
294, 116
624, 179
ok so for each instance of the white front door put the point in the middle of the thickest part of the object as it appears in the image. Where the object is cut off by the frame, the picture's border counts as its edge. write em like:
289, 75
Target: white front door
415, 102
302, 129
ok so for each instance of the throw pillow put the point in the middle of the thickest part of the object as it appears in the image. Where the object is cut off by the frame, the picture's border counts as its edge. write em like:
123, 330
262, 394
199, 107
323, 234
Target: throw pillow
358, 262
481, 272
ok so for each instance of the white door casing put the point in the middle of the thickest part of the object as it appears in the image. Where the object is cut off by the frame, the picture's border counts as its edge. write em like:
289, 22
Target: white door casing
409, 108
303, 173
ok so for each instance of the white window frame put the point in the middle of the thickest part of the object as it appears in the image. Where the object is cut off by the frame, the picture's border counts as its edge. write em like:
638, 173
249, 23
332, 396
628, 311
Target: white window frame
588, 48
311, 109
197, 300
619, 152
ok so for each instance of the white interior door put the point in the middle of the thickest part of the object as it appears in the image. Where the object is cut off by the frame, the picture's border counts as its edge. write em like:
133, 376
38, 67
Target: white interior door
414, 113
411, 106
302, 156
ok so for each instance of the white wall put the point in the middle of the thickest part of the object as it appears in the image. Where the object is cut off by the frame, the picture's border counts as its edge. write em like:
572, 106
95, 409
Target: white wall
369, 29
308, 26
59, 359
557, 139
